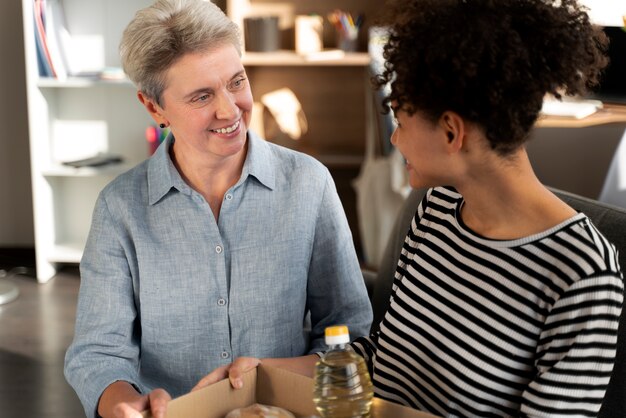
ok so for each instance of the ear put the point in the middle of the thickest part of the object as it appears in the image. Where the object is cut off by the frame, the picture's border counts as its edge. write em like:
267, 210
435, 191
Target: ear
454, 128
153, 108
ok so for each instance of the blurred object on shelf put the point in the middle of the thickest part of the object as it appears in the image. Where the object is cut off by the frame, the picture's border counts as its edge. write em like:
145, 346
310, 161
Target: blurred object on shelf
568, 107
98, 160
347, 29
261, 33
112, 73
154, 136
287, 111
309, 31
75, 139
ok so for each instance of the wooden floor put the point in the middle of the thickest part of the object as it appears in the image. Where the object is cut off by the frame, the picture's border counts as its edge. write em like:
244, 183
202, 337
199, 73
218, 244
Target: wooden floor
35, 331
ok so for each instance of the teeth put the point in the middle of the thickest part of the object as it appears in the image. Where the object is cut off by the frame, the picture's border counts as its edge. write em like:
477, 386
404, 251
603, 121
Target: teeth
228, 129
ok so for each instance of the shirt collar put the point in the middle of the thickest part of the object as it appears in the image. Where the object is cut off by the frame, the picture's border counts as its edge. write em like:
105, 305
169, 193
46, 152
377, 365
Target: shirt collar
260, 162
163, 176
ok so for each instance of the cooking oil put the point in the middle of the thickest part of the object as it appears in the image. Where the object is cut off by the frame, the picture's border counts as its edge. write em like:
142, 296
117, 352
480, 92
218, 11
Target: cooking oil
342, 386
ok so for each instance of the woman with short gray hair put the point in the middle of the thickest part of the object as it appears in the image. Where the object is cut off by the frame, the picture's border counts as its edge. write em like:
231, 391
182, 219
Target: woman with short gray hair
218, 246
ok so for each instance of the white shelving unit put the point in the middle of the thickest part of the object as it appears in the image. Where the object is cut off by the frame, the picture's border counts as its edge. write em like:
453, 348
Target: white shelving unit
78, 114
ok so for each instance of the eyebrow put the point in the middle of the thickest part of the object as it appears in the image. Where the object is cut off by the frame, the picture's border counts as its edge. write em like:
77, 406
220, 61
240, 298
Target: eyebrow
211, 89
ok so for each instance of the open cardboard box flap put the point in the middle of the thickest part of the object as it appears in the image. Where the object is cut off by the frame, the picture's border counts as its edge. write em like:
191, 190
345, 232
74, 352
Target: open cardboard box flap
270, 386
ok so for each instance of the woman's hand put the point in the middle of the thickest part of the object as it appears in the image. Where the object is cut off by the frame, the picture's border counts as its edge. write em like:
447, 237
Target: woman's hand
121, 400
234, 371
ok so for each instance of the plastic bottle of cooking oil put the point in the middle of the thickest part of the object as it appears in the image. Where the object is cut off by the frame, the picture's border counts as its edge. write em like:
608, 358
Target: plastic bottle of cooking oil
342, 386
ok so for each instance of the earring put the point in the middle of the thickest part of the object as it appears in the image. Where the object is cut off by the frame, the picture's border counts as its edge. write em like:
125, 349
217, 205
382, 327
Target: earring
161, 125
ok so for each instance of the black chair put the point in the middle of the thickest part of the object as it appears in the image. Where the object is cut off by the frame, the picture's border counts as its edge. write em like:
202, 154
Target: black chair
610, 220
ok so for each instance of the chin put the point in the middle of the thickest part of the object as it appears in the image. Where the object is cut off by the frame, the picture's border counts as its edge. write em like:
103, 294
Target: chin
234, 145
416, 184
421, 183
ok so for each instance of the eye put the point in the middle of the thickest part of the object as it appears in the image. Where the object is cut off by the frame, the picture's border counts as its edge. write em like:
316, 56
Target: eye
237, 83
201, 99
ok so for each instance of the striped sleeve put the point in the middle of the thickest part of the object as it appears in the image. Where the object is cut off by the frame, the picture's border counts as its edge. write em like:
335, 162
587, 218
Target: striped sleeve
576, 350
366, 348
412, 240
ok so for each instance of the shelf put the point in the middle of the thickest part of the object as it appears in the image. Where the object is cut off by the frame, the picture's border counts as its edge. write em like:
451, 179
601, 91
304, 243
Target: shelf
81, 82
335, 58
66, 253
610, 113
65, 171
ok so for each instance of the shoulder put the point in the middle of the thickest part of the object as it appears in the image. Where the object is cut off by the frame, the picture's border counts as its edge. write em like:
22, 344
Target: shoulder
444, 196
294, 167
443, 200
590, 248
127, 187
291, 159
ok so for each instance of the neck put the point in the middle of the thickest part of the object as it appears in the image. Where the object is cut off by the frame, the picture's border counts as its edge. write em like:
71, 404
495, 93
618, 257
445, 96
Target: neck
209, 177
505, 200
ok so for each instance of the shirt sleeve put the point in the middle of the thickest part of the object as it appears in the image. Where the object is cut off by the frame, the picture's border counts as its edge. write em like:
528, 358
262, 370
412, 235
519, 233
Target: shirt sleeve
336, 292
576, 350
366, 347
105, 347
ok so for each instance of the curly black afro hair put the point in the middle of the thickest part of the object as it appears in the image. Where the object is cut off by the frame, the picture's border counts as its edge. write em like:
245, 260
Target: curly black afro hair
491, 61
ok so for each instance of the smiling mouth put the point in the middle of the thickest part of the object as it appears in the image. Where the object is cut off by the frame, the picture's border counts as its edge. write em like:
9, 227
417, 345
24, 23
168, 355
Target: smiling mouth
228, 129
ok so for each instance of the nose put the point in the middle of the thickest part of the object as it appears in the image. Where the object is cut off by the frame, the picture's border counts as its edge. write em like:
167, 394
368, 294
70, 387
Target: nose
393, 137
226, 106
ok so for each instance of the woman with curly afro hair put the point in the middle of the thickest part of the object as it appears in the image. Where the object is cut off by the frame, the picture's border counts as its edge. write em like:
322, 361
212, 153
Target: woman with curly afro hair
505, 301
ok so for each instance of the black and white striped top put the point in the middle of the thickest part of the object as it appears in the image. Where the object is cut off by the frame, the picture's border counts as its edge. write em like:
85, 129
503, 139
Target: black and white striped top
490, 328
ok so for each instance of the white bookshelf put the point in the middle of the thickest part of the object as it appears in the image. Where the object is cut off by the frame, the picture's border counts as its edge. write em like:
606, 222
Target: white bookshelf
75, 116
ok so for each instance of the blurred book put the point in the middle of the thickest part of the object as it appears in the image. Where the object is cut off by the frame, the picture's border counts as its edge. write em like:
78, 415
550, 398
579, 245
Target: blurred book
57, 37
44, 60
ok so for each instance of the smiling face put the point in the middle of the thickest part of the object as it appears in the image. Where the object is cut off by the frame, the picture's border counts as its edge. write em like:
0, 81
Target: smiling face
422, 143
207, 103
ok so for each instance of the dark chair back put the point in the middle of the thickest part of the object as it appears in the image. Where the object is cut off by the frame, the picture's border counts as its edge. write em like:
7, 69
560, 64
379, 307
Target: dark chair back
610, 220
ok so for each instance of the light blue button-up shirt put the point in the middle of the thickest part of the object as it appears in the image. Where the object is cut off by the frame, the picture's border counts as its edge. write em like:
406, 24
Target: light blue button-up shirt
168, 294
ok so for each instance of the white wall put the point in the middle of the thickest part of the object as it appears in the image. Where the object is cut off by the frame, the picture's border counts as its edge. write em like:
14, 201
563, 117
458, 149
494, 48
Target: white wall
16, 213
606, 12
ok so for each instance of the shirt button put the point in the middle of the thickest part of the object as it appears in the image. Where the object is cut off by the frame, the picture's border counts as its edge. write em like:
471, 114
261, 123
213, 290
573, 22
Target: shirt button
218, 249
221, 301
229, 196
225, 354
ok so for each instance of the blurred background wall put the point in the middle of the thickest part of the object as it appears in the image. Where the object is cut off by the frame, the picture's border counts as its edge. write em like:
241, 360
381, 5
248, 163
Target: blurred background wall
16, 214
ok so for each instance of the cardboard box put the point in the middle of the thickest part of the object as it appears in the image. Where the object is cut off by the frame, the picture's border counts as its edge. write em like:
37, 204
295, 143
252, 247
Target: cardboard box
270, 386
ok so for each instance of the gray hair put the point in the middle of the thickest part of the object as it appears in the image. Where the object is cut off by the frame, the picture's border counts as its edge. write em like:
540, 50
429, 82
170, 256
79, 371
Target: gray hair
162, 33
